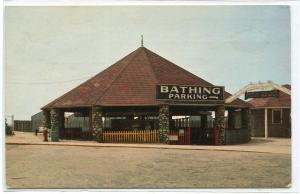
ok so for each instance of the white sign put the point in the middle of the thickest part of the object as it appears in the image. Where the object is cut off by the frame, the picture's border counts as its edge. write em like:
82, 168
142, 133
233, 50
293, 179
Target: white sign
173, 137
181, 131
198, 93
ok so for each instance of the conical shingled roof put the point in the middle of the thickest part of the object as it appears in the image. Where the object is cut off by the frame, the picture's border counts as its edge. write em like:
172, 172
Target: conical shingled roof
131, 81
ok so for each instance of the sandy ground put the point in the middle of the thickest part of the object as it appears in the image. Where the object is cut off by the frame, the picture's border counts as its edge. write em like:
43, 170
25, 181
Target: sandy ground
43, 166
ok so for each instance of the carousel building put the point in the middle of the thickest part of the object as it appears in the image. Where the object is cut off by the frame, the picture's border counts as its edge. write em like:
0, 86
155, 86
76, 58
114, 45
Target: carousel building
148, 99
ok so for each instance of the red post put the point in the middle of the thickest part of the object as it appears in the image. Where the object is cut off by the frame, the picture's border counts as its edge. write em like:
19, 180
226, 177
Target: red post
188, 136
45, 133
217, 135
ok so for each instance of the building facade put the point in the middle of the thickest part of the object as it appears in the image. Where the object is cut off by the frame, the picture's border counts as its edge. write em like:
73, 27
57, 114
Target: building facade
271, 116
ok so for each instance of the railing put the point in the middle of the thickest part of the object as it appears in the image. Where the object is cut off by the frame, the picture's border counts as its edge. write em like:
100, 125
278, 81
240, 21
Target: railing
21, 125
132, 136
187, 122
75, 133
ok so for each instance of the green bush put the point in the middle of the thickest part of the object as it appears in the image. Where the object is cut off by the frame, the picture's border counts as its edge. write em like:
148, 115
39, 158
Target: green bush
8, 130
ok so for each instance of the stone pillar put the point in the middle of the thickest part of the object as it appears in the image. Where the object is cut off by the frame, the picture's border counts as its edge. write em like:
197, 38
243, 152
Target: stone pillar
97, 125
56, 123
230, 119
46, 123
246, 121
220, 122
163, 122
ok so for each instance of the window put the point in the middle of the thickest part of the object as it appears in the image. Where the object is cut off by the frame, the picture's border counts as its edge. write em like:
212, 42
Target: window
276, 116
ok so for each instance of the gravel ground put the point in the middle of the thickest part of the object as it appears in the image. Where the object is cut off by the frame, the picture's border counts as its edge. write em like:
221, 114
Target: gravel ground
38, 166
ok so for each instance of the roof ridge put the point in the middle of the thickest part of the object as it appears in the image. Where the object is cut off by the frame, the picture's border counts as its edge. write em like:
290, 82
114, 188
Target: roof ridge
181, 68
59, 98
151, 67
103, 93
177, 66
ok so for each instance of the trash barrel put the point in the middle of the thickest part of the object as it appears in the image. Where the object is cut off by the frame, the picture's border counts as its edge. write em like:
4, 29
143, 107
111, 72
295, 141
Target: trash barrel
45, 133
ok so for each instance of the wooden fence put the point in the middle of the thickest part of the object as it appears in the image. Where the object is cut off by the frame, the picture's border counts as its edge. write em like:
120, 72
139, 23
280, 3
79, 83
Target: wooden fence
132, 136
22, 125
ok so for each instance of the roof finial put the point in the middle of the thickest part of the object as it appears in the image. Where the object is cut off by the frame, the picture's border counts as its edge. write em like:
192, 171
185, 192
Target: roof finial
142, 41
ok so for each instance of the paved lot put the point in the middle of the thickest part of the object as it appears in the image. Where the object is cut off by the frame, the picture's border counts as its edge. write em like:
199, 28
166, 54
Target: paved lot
44, 166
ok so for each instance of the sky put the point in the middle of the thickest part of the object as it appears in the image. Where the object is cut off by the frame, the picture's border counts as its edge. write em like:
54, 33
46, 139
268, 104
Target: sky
50, 50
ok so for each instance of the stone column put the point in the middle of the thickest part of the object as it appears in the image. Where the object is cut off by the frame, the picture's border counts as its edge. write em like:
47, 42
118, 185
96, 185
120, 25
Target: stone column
46, 123
246, 121
230, 119
56, 123
220, 122
163, 122
97, 125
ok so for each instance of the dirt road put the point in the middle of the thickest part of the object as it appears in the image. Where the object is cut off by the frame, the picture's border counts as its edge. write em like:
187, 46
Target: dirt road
42, 166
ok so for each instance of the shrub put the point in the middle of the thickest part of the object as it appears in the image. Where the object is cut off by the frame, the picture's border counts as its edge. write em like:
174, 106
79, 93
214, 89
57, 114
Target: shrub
8, 130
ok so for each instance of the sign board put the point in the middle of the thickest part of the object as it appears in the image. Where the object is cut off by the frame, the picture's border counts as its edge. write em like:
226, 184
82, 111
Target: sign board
181, 132
189, 92
262, 94
173, 137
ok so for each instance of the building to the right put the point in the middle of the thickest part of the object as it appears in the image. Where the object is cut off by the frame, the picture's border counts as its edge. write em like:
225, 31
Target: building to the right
271, 116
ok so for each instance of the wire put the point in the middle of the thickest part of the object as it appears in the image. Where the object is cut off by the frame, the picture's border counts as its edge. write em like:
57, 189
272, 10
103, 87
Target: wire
52, 82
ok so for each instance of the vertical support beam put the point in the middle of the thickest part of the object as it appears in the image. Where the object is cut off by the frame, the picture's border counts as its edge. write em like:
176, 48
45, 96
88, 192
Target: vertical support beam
90, 120
266, 123
12, 123
203, 121
230, 119
245, 118
62, 119
220, 122
56, 123
246, 121
163, 122
97, 125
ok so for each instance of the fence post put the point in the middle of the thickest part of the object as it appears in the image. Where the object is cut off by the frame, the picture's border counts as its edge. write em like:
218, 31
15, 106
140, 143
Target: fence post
12, 123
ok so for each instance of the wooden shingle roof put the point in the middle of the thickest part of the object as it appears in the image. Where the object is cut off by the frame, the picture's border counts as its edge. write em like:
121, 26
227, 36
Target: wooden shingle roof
131, 81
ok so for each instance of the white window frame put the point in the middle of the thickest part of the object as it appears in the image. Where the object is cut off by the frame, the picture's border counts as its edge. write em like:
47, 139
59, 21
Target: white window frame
277, 109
